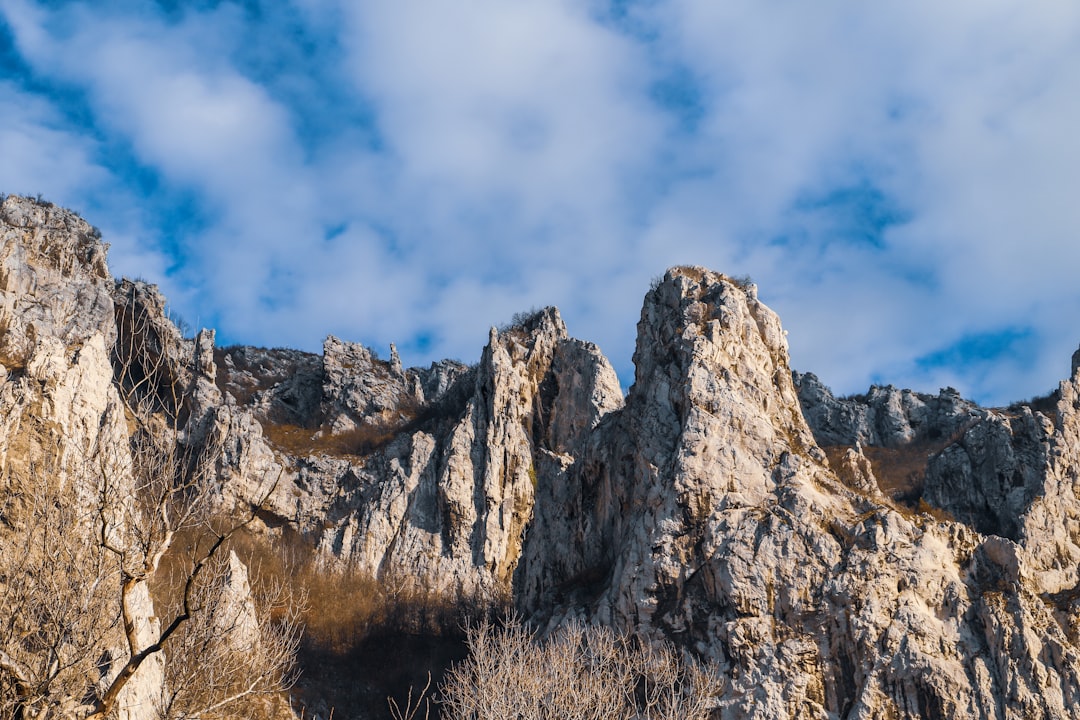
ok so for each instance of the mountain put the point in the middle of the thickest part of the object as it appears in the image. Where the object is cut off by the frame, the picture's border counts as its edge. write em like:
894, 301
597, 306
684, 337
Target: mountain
892, 555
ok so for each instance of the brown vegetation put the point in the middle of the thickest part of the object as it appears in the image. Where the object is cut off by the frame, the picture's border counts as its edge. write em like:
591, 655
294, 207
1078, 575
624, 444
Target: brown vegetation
1046, 404
388, 632
364, 439
345, 605
901, 471
694, 272
577, 673
358, 442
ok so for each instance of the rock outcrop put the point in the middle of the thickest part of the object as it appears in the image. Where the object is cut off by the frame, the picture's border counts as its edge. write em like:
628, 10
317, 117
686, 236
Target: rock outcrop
885, 416
428, 475
62, 425
1006, 472
726, 503
989, 477
703, 512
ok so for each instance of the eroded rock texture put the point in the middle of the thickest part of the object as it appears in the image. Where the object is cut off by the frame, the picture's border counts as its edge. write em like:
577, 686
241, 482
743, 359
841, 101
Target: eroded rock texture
61, 425
428, 474
884, 416
703, 512
701, 508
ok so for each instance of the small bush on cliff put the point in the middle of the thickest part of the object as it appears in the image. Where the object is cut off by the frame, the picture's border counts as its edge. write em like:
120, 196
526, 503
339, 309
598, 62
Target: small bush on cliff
743, 282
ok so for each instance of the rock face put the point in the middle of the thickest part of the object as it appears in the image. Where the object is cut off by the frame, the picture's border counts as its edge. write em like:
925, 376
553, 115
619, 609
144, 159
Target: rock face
727, 503
238, 625
61, 418
703, 512
428, 475
990, 476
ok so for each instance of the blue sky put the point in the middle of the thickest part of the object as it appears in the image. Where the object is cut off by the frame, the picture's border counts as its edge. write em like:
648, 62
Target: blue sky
899, 178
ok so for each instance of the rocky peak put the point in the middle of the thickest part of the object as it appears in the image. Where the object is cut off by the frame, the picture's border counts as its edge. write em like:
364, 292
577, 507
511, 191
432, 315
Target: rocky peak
54, 283
711, 426
704, 512
56, 334
711, 356
53, 238
359, 387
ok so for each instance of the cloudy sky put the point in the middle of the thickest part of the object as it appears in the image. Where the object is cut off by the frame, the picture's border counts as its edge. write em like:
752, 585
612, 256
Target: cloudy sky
901, 178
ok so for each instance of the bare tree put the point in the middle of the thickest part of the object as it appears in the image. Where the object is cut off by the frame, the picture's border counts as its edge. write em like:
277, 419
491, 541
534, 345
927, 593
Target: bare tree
86, 531
234, 661
59, 611
579, 672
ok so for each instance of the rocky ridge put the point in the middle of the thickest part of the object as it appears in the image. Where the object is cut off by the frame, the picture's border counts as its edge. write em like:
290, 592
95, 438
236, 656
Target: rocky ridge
726, 503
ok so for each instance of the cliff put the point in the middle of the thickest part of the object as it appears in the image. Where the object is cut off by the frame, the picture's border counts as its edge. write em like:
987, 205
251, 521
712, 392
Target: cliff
61, 421
893, 555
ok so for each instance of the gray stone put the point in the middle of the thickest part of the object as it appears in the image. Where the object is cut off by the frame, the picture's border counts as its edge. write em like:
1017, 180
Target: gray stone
700, 508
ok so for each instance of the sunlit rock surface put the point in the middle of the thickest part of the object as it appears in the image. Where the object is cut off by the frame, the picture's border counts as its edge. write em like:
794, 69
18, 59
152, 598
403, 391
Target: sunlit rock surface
725, 503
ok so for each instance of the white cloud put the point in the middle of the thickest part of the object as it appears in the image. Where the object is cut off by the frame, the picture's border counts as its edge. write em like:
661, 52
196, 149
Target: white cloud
44, 155
395, 171
962, 114
39, 155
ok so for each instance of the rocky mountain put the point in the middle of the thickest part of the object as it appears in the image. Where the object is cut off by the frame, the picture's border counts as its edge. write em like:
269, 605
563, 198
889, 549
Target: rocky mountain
892, 555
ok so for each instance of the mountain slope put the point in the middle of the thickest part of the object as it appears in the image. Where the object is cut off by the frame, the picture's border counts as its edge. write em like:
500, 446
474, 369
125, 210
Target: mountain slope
726, 503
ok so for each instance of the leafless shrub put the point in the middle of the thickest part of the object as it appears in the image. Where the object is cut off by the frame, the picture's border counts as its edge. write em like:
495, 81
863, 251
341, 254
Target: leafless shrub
577, 673
234, 658
743, 282
523, 320
59, 610
410, 711
83, 534
1046, 404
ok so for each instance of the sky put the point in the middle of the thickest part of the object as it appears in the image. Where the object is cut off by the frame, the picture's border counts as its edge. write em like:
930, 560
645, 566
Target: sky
900, 178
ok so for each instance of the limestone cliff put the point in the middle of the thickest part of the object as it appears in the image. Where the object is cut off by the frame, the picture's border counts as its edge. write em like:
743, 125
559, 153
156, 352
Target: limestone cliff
704, 512
726, 503
62, 424
424, 474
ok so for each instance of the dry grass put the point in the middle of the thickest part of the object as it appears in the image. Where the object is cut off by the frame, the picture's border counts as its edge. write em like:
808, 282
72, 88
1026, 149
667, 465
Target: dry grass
346, 605
939, 514
1046, 404
901, 472
361, 441
693, 272
358, 442
366, 638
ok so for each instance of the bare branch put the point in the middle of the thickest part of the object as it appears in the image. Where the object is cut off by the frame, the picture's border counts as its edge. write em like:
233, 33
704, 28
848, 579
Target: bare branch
85, 535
